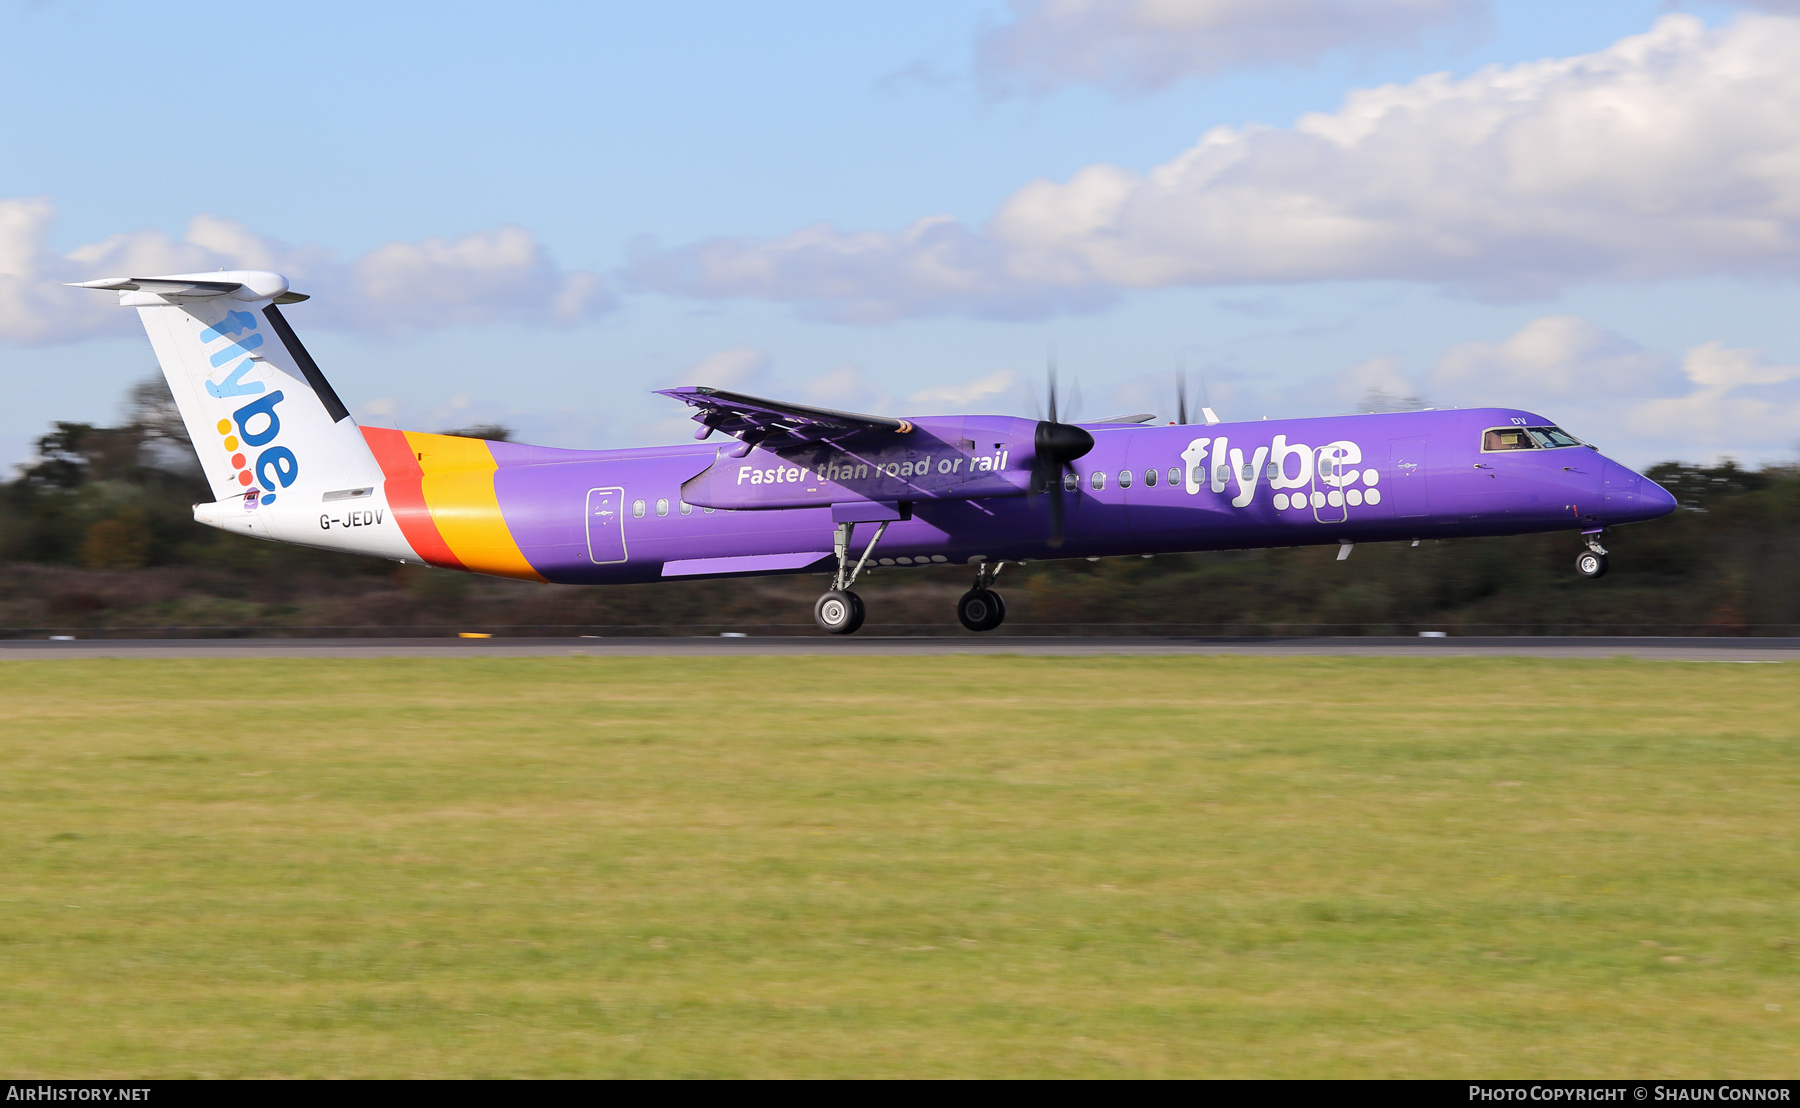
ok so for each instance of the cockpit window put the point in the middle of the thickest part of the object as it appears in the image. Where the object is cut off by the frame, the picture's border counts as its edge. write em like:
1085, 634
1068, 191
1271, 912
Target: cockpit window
1551, 437
1507, 438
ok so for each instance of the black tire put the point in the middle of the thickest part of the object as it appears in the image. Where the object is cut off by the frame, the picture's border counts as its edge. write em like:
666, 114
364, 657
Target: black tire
1590, 564
839, 612
981, 610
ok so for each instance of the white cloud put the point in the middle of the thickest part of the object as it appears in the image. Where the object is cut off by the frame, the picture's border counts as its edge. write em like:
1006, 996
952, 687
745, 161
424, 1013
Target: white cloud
1003, 386
1556, 358
1377, 384
737, 369
846, 388
1147, 44
481, 277
1739, 404
1674, 153
935, 267
1635, 404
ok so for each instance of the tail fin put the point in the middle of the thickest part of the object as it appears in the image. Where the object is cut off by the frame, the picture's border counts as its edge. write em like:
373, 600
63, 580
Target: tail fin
261, 415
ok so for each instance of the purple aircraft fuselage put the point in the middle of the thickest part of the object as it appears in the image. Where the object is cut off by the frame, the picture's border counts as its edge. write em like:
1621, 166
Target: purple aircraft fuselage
959, 490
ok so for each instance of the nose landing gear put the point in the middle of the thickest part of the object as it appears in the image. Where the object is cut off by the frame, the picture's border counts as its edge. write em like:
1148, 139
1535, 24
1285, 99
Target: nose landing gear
981, 608
1592, 562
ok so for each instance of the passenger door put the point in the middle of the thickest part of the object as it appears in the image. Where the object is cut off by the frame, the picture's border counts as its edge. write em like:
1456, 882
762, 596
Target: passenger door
606, 526
1404, 484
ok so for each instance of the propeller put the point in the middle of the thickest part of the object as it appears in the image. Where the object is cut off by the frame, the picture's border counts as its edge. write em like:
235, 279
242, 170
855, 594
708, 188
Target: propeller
1056, 446
1207, 415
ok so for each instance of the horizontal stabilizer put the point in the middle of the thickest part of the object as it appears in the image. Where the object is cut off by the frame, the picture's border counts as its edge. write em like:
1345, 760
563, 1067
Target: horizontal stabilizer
239, 284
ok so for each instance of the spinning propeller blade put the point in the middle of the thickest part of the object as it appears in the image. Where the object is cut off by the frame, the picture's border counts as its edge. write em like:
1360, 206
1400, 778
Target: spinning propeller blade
1057, 445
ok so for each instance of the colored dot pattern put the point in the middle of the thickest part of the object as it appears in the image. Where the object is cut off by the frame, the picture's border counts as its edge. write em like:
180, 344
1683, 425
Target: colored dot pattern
241, 461
1336, 498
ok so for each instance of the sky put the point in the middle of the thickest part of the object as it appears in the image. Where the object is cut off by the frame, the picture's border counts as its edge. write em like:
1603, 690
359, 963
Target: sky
535, 214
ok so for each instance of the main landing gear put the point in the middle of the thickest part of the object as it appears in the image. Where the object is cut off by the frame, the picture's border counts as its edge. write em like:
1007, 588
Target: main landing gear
840, 611
981, 608
1592, 561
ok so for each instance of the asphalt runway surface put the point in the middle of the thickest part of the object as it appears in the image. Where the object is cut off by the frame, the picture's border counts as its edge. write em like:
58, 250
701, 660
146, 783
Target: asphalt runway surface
1658, 649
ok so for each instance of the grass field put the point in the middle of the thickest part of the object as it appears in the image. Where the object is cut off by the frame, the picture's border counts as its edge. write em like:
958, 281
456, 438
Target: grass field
936, 866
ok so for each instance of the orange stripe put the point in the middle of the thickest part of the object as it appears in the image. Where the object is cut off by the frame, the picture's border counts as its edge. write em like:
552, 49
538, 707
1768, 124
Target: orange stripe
458, 486
406, 496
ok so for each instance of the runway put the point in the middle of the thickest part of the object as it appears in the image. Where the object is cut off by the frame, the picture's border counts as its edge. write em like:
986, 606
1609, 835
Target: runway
1647, 648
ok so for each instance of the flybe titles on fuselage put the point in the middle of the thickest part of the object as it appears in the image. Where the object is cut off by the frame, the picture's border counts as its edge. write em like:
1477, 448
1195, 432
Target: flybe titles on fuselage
1282, 474
1298, 476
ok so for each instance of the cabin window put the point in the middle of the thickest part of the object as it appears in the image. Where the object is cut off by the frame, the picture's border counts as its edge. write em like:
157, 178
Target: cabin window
1097, 480
1507, 438
662, 507
1174, 475
686, 508
1221, 475
1124, 478
1552, 437
1071, 481
1149, 478
637, 509
1249, 474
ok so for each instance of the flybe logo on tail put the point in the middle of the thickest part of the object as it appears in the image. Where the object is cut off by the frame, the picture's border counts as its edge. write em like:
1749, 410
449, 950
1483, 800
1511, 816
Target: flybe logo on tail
234, 384
256, 425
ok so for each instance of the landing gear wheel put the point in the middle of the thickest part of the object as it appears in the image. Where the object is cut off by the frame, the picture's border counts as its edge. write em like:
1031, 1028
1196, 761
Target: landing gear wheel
839, 612
981, 609
1590, 563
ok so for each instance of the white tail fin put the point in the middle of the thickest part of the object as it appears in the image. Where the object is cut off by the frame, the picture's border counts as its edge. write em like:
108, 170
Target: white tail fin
261, 415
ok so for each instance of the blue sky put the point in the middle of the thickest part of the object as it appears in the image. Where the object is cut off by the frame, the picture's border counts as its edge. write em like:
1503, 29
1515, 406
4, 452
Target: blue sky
538, 213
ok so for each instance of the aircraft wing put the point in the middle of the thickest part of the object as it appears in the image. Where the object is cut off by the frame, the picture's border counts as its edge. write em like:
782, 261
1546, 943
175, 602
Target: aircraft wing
773, 424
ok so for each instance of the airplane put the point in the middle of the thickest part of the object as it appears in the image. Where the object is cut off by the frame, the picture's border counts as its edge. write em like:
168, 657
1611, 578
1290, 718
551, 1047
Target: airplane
791, 486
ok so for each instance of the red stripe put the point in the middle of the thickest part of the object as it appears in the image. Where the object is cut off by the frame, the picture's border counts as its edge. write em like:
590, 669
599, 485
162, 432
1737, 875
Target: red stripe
406, 495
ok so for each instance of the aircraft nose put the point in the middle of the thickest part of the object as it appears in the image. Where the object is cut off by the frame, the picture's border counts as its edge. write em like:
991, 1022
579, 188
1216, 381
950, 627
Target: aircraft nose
1632, 497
